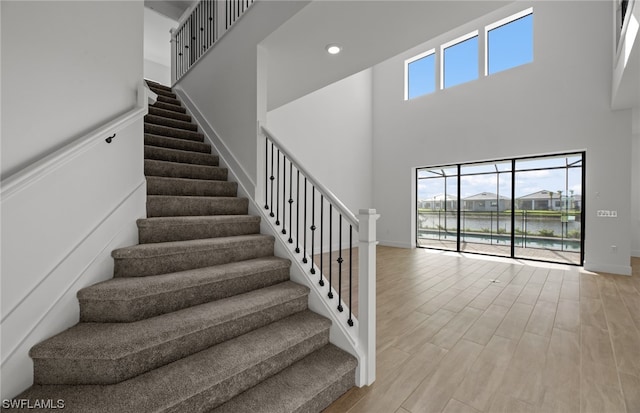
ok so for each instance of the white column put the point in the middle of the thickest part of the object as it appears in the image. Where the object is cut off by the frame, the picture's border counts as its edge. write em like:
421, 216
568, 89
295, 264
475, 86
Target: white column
174, 62
367, 293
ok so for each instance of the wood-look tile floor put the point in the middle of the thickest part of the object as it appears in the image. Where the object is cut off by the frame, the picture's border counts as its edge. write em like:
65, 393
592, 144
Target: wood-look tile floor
478, 334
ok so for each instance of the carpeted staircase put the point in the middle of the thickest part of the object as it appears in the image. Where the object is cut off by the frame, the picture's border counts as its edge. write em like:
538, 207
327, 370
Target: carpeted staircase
200, 316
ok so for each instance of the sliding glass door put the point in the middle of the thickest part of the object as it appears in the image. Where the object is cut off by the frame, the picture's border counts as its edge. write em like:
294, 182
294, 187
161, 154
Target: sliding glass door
548, 217
437, 209
486, 208
521, 208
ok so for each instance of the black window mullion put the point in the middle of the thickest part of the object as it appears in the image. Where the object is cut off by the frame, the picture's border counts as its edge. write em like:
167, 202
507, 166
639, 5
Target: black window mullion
513, 208
582, 207
458, 215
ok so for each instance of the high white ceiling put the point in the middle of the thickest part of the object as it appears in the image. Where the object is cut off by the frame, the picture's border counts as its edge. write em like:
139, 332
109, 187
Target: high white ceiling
370, 32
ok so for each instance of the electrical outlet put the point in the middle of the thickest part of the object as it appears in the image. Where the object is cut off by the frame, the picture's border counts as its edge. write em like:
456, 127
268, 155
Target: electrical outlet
614, 214
605, 213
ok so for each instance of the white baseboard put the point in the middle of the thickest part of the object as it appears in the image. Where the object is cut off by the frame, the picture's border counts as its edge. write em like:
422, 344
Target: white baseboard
608, 268
395, 244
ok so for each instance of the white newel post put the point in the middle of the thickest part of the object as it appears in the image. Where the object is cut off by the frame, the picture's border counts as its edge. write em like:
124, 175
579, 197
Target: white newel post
367, 292
174, 62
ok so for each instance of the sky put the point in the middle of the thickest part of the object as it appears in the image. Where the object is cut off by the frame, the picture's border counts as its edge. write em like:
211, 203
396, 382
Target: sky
531, 179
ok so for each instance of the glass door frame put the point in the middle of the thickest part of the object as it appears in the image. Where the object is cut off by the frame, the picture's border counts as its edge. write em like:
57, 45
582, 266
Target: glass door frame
459, 202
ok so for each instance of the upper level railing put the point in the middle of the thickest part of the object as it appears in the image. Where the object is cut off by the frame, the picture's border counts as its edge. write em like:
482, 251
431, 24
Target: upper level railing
336, 248
207, 22
623, 17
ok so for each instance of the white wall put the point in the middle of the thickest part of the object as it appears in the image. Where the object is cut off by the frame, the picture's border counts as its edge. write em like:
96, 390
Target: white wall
66, 67
157, 46
223, 85
57, 236
635, 185
560, 102
332, 127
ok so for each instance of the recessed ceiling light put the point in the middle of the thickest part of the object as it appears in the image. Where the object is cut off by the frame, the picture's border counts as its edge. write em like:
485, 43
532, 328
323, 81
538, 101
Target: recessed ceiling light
333, 48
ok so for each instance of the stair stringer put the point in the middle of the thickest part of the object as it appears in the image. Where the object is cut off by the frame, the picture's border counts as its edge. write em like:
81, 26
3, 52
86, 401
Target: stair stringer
340, 334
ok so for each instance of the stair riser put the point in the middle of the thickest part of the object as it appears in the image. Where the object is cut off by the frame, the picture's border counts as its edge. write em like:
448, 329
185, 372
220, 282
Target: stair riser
171, 101
126, 311
177, 170
203, 380
60, 371
168, 233
170, 155
312, 384
169, 114
168, 106
162, 92
173, 123
173, 143
156, 85
187, 206
232, 252
173, 133
195, 187
224, 391
330, 394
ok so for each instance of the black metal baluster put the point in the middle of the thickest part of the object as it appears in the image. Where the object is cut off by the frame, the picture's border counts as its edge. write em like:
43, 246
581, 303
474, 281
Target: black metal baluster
340, 266
278, 190
272, 178
321, 241
313, 226
304, 243
290, 202
284, 194
266, 173
350, 320
330, 295
297, 211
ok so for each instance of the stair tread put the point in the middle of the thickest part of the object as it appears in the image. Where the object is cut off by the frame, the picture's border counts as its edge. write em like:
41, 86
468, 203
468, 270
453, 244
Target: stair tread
165, 257
180, 156
169, 114
131, 288
171, 122
182, 151
177, 228
169, 163
160, 141
166, 99
188, 180
195, 375
294, 387
171, 132
196, 220
178, 247
153, 83
162, 185
169, 106
162, 92
154, 167
112, 341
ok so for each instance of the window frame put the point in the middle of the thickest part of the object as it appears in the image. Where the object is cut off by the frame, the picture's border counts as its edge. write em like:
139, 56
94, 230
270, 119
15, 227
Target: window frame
515, 169
407, 62
497, 24
451, 43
